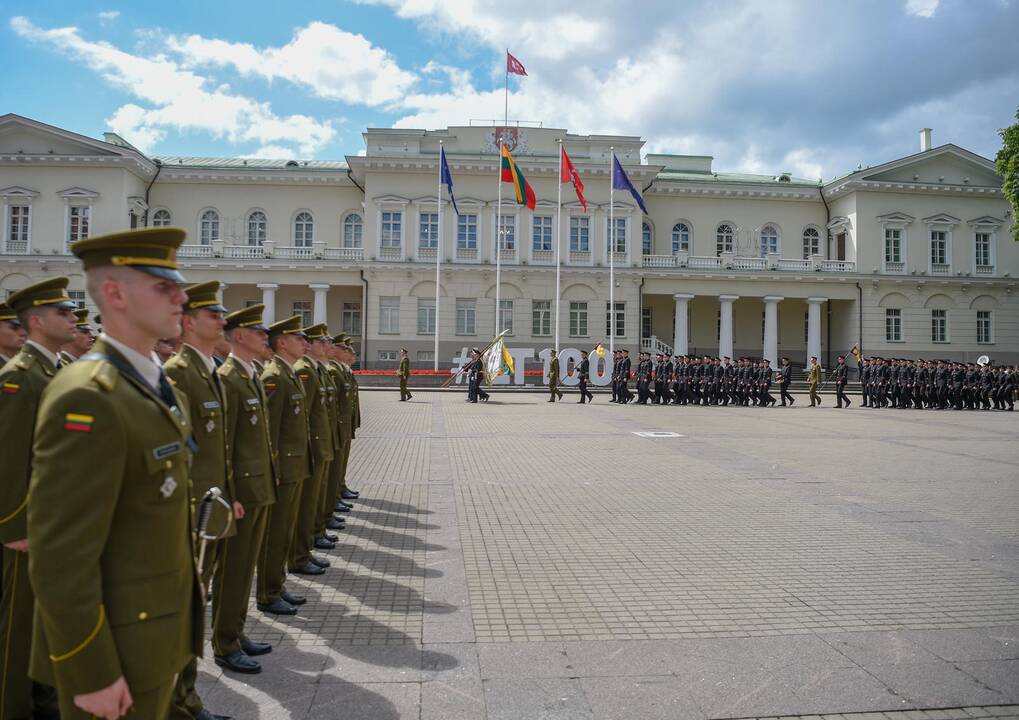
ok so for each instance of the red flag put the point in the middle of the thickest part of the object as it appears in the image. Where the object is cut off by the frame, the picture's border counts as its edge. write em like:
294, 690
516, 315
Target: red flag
571, 175
514, 66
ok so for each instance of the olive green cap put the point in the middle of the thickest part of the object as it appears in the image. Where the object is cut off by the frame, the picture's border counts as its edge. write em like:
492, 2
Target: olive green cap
83, 324
319, 331
339, 339
204, 296
248, 317
290, 326
7, 314
49, 293
150, 250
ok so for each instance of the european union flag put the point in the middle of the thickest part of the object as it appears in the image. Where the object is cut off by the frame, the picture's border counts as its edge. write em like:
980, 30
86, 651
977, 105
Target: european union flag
621, 182
447, 179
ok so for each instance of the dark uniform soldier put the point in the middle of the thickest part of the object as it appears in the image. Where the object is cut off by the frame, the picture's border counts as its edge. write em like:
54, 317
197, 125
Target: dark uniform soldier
787, 378
841, 378
404, 374
625, 365
12, 335
113, 625
45, 310
553, 377
644, 370
584, 372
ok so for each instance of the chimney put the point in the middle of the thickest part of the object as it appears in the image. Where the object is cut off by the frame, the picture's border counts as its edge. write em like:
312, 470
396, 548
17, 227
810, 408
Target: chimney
925, 140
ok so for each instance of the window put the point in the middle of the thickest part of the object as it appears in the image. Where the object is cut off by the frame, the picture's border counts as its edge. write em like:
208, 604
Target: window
78, 227
680, 238
541, 232
304, 230
647, 241
353, 231
208, 227
578, 319
426, 316
982, 249
893, 245
769, 240
389, 315
617, 236
723, 239
811, 243
580, 234
425, 356
984, 335
465, 316
645, 322
428, 230
893, 325
161, 218
505, 316
302, 308
620, 319
508, 232
939, 247
258, 228
78, 296
541, 317
391, 229
351, 319
939, 326
387, 355
17, 228
467, 232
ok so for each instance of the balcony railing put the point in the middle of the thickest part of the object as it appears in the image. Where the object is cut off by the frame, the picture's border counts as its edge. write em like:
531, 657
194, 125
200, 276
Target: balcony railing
941, 269
794, 265
467, 255
244, 252
896, 268
580, 257
345, 254
983, 270
197, 251
841, 266
427, 254
618, 259
507, 255
659, 261
294, 253
749, 263
388, 252
543, 257
704, 263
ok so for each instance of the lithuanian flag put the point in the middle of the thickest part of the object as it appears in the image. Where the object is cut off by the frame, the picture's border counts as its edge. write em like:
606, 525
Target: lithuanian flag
511, 174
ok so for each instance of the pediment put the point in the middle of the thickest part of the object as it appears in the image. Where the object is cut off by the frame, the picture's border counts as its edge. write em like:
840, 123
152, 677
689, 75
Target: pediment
986, 221
469, 201
838, 221
895, 217
22, 136
946, 165
391, 199
77, 192
16, 191
942, 219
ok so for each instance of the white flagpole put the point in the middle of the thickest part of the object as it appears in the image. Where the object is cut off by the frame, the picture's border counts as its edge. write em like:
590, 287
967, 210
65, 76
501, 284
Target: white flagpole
505, 113
612, 253
438, 262
558, 242
498, 237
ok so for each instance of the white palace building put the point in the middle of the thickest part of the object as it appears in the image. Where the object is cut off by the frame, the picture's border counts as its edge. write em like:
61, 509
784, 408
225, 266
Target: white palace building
911, 258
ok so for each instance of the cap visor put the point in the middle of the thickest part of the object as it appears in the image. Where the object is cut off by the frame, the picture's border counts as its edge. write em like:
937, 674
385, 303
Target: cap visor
161, 272
65, 305
217, 308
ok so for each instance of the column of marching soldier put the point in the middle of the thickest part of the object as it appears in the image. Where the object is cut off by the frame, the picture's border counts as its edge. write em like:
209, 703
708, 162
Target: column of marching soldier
937, 385
108, 453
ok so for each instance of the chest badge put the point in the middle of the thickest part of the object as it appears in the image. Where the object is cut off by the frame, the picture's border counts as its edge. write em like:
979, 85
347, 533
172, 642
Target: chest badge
254, 419
210, 426
168, 486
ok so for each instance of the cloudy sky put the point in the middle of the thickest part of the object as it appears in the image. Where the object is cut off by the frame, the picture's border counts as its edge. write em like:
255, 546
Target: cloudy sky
815, 87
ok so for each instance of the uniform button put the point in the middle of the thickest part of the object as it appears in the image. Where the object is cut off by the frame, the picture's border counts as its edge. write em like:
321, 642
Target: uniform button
143, 615
169, 464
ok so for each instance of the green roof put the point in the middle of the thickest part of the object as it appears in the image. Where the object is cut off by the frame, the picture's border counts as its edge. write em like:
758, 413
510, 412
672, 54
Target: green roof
734, 178
210, 163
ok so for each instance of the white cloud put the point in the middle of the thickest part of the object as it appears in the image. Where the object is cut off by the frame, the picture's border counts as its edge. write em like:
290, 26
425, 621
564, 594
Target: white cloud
922, 8
332, 63
179, 99
106, 16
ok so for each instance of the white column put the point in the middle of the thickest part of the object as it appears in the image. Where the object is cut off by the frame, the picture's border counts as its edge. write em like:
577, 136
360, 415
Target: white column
725, 331
814, 328
771, 329
681, 330
319, 309
269, 300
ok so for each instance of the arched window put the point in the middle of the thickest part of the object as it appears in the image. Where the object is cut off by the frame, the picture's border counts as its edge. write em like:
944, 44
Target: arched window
161, 218
647, 239
769, 240
811, 243
353, 231
680, 238
723, 239
304, 229
208, 227
258, 228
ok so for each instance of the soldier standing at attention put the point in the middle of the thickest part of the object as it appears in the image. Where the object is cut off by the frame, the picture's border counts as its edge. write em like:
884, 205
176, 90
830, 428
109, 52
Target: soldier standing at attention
841, 378
814, 379
12, 335
624, 377
113, 625
348, 357
342, 377
288, 433
553, 377
404, 374
84, 336
584, 372
45, 310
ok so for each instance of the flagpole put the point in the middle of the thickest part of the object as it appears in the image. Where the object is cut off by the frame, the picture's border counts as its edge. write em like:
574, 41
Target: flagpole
558, 242
438, 262
498, 236
612, 253
505, 114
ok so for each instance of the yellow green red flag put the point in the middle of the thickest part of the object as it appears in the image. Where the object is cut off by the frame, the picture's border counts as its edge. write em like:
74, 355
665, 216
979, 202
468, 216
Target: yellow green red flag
511, 174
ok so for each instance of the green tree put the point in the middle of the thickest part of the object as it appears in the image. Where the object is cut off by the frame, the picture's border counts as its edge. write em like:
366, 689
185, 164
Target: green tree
1007, 162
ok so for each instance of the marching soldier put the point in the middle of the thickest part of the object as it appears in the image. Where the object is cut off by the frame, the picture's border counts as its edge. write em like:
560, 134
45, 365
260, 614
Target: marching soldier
12, 335
814, 379
45, 310
584, 372
84, 336
404, 375
113, 626
553, 377
643, 379
625, 364
841, 378
787, 378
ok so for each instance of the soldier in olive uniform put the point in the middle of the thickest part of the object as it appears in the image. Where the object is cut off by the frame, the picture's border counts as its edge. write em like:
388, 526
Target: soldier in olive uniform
115, 625
45, 310
81, 343
254, 486
288, 432
814, 380
12, 335
553, 377
404, 375
343, 381
348, 358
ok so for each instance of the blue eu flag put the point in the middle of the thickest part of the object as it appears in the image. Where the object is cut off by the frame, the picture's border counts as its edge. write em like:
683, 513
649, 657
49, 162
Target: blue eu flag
621, 182
447, 179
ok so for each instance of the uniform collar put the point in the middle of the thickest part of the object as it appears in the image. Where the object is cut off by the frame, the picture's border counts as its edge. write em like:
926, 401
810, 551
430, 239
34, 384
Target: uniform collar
210, 364
147, 367
51, 356
248, 367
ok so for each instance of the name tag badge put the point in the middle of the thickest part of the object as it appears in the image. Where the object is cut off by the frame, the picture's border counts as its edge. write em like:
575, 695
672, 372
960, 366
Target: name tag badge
164, 451
253, 401
211, 405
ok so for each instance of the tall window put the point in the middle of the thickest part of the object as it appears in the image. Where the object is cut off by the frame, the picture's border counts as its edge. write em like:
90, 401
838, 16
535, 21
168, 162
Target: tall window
78, 296
939, 326
893, 325
578, 319
982, 249
541, 232
467, 232
302, 308
617, 235
541, 317
258, 228
984, 327
161, 218
893, 245
769, 240
389, 315
426, 356
208, 231
304, 230
939, 247
680, 238
723, 239
616, 317
645, 322
580, 234
428, 230
78, 228
17, 228
508, 232
465, 316
392, 223
426, 316
646, 239
351, 319
811, 243
505, 316
353, 231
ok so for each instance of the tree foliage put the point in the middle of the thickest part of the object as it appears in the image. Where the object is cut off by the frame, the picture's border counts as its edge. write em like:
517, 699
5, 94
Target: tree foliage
1007, 163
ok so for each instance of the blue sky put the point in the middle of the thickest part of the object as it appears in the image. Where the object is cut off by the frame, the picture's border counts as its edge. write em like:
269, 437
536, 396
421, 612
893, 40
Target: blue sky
811, 87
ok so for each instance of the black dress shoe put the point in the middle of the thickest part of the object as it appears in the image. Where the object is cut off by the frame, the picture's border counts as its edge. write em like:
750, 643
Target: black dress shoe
350, 495
252, 648
323, 544
330, 538
279, 607
294, 600
239, 662
320, 562
341, 508
309, 568
341, 504
334, 524
204, 714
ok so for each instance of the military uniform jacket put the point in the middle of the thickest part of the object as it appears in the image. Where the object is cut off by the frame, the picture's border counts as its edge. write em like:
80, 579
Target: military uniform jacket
346, 393
814, 374
288, 421
584, 369
553, 371
357, 401
247, 436
111, 525
404, 370
842, 374
624, 369
22, 381
320, 423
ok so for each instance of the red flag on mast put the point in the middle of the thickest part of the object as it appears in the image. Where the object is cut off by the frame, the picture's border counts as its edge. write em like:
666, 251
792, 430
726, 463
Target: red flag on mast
571, 175
514, 66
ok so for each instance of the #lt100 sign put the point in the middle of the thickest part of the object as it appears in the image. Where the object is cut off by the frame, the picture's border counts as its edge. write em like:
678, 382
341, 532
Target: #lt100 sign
569, 358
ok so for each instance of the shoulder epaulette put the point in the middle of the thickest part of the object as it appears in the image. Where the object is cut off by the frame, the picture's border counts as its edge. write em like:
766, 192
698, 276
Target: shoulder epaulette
105, 375
24, 361
225, 369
